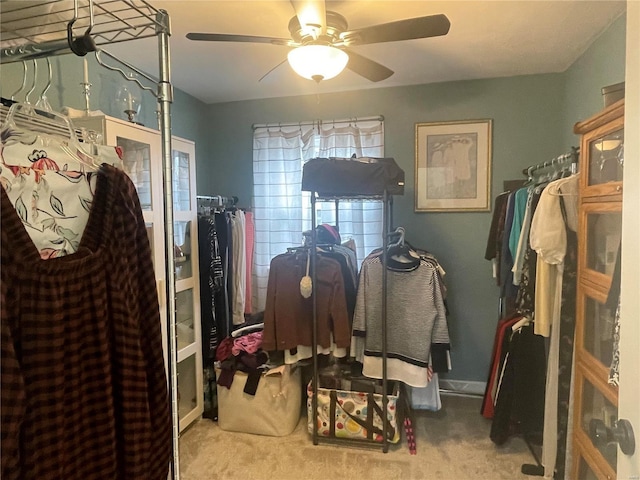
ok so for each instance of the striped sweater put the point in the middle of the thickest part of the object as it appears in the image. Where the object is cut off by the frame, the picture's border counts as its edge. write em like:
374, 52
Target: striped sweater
417, 332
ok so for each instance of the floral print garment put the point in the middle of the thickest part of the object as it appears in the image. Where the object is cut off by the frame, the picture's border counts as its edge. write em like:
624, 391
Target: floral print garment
50, 188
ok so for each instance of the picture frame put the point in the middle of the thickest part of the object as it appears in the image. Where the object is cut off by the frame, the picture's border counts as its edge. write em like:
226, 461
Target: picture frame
453, 166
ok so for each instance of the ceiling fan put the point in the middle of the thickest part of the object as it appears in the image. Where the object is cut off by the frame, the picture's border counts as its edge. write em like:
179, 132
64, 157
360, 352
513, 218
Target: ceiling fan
320, 36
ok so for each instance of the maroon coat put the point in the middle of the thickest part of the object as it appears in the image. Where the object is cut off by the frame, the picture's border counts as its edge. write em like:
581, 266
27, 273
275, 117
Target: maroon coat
288, 316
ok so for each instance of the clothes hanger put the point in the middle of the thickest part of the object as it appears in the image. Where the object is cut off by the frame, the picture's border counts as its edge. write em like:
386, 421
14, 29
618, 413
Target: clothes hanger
43, 102
398, 231
29, 125
401, 251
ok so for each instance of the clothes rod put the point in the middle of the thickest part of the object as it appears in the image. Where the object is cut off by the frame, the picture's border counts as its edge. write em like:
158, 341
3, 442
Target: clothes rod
218, 199
314, 123
560, 160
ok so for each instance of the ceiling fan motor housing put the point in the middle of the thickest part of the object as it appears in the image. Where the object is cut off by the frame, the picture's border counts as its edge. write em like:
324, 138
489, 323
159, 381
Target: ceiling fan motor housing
336, 24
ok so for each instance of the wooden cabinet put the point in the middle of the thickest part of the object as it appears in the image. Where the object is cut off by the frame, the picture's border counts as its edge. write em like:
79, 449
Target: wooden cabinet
599, 233
142, 154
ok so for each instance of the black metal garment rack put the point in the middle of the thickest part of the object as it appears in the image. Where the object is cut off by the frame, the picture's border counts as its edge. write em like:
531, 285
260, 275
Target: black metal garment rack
339, 179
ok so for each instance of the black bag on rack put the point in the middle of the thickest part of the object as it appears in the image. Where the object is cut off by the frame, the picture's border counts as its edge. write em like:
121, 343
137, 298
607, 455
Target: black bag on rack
332, 177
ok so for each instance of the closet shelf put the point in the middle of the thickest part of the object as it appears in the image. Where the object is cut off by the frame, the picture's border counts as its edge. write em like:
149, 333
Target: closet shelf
38, 29
353, 178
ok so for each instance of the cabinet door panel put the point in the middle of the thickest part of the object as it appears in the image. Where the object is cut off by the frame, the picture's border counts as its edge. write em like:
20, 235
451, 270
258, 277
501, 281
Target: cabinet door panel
606, 158
183, 249
184, 318
598, 330
600, 233
597, 408
136, 158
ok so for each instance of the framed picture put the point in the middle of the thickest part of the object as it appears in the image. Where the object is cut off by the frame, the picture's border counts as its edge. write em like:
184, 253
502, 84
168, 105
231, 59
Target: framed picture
453, 166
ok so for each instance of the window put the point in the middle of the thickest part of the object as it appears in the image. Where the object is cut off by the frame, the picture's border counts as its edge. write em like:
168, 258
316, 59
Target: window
282, 211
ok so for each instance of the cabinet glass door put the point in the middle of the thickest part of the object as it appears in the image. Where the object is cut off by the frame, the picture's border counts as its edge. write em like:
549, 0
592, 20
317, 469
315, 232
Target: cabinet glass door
184, 320
600, 237
598, 413
181, 180
606, 158
136, 158
585, 472
603, 240
185, 236
599, 323
183, 249
187, 391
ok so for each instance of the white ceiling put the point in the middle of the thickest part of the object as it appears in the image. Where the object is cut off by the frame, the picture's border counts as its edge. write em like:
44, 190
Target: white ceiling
487, 39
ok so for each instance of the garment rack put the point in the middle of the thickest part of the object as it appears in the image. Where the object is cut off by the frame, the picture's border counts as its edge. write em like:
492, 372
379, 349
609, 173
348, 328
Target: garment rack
45, 28
571, 159
351, 179
386, 203
217, 200
534, 172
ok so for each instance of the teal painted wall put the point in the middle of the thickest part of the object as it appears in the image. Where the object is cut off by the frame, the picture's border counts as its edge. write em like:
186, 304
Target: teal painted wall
186, 116
532, 117
601, 65
527, 125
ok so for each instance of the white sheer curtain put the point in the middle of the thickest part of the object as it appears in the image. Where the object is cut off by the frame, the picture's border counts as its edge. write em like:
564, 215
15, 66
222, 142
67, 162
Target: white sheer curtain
282, 211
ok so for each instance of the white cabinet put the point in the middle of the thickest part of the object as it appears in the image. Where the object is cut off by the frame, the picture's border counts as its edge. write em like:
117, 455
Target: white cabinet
142, 158
185, 232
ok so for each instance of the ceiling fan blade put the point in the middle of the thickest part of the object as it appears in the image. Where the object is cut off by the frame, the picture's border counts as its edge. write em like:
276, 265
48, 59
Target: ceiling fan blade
409, 29
367, 68
312, 16
224, 37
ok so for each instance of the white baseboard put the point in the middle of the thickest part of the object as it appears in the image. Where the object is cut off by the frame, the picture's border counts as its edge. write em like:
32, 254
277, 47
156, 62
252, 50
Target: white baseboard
463, 386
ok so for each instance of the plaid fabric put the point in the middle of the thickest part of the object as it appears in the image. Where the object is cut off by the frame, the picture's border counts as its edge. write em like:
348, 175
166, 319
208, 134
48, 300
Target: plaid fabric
83, 386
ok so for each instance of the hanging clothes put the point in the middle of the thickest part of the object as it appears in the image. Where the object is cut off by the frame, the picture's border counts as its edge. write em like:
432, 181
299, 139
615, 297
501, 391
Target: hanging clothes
249, 238
288, 315
211, 275
221, 300
497, 361
556, 214
493, 251
567, 333
417, 331
525, 298
519, 407
239, 265
50, 183
83, 379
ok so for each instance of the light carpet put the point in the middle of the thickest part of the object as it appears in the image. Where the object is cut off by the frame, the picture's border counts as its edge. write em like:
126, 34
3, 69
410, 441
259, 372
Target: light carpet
451, 444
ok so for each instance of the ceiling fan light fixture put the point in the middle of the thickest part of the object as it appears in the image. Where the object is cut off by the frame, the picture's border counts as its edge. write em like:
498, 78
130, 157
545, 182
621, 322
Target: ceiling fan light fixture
318, 62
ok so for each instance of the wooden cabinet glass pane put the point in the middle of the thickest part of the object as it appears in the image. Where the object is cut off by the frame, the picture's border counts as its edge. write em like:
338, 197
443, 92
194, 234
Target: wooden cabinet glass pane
598, 330
596, 407
603, 239
187, 395
585, 472
606, 158
181, 181
182, 241
137, 163
184, 318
